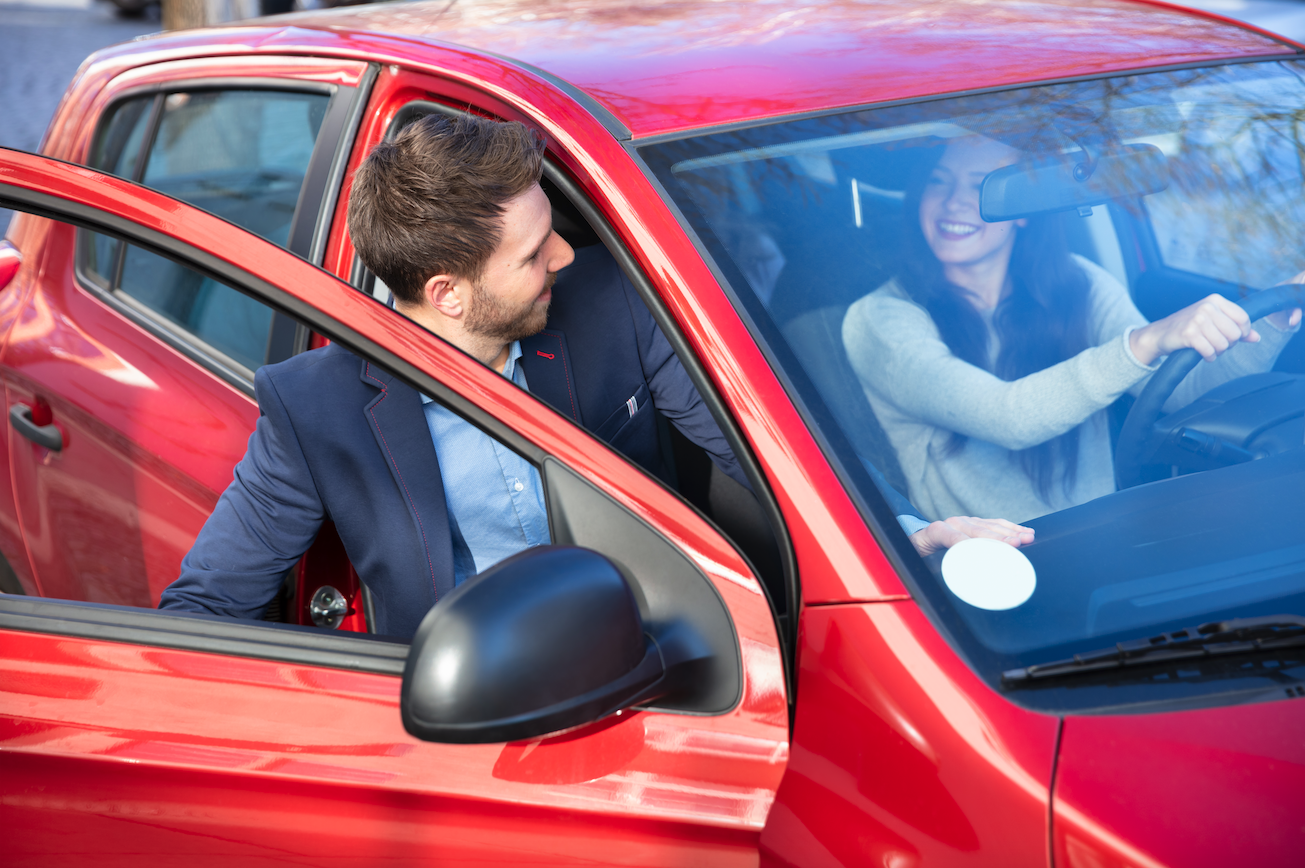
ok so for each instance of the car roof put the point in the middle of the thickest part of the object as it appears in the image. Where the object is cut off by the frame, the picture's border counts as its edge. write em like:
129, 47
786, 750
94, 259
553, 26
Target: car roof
671, 66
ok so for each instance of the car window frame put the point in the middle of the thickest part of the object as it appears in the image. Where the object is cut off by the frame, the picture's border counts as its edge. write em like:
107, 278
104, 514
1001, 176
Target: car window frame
314, 209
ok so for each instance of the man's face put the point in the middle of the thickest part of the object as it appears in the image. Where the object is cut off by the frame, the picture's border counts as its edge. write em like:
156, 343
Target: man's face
510, 300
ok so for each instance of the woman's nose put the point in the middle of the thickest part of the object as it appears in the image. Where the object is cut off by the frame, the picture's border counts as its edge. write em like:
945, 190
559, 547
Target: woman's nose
962, 198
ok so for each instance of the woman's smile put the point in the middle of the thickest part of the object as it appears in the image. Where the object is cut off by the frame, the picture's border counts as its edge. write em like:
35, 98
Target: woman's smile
953, 231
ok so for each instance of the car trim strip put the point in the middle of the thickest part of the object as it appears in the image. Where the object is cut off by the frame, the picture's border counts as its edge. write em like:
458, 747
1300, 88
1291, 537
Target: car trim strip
340, 163
266, 640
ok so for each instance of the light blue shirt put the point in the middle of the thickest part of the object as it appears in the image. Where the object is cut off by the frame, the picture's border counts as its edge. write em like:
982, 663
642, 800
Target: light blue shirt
495, 497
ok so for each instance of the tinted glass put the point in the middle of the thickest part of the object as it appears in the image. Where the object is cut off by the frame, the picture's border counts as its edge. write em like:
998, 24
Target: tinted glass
234, 324
239, 154
959, 293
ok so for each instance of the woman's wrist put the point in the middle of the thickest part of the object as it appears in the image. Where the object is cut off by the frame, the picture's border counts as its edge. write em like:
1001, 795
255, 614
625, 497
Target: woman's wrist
1142, 344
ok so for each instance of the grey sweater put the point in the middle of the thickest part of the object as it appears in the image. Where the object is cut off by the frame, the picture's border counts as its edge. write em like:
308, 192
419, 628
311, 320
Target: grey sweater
921, 393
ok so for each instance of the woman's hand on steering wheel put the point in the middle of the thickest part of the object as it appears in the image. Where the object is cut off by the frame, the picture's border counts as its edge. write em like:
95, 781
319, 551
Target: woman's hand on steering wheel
1210, 327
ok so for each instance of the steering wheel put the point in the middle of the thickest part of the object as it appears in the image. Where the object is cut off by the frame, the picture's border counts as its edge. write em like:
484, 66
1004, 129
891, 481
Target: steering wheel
1141, 436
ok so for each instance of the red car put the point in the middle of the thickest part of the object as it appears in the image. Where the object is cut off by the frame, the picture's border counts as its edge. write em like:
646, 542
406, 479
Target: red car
1127, 690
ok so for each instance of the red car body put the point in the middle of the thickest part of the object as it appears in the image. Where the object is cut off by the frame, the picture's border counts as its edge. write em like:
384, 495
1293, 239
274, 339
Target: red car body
877, 746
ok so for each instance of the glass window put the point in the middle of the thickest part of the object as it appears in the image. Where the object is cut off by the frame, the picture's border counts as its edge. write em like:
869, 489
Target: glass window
228, 321
239, 154
961, 293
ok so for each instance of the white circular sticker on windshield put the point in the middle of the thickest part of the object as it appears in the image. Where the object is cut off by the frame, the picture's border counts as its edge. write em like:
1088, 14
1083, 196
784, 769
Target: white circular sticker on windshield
988, 574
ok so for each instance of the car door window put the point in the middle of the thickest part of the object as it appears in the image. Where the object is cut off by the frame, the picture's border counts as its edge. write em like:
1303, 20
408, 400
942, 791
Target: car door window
240, 154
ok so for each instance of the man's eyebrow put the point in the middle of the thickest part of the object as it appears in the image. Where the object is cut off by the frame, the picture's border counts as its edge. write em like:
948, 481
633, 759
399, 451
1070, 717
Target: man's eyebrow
542, 241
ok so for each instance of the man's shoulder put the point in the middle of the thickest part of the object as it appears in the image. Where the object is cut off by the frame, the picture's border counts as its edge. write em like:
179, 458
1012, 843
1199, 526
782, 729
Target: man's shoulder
325, 362
324, 375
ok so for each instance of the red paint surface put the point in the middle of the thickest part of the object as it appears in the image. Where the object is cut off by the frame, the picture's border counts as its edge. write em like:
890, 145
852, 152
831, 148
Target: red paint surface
127, 753
674, 66
10, 260
151, 439
902, 756
1208, 787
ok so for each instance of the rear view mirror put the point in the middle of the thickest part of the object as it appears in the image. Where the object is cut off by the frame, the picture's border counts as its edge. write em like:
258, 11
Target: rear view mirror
549, 639
1072, 182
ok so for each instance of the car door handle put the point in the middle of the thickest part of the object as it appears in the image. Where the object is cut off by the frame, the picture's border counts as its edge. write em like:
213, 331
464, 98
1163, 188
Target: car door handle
49, 436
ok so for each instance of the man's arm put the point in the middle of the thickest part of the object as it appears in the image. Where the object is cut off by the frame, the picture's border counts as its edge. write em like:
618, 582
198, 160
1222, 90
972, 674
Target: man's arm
263, 523
673, 393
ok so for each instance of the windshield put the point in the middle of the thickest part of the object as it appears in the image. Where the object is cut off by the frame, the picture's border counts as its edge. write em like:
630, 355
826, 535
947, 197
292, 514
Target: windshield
969, 298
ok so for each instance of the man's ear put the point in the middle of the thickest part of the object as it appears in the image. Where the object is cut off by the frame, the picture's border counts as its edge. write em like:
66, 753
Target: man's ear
446, 294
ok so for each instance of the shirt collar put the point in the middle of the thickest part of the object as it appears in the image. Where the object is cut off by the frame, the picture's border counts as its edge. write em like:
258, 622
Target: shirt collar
509, 367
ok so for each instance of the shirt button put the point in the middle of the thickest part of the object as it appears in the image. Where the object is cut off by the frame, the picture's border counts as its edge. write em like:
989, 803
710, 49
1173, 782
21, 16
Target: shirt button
518, 486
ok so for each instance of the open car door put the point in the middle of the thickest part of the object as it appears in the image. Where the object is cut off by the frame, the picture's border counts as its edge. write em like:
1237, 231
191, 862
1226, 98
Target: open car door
129, 733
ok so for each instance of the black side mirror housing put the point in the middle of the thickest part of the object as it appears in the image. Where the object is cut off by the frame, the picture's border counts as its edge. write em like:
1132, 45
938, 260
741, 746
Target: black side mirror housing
549, 639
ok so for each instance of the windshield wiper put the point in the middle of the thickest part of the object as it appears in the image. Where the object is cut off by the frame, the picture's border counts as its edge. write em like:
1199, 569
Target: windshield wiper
1214, 639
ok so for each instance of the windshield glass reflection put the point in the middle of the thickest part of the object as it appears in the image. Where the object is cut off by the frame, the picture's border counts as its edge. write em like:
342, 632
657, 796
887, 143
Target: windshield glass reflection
969, 297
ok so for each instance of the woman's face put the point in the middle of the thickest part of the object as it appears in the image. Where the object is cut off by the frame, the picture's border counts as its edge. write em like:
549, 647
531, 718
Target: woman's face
949, 208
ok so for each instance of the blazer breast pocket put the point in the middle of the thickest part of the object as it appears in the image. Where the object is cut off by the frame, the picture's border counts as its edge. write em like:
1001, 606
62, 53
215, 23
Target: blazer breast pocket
611, 428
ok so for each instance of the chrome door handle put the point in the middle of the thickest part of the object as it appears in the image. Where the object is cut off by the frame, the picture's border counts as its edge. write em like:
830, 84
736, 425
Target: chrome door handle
49, 436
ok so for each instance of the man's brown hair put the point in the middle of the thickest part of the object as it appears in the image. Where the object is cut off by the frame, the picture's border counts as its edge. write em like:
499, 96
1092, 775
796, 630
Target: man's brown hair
430, 201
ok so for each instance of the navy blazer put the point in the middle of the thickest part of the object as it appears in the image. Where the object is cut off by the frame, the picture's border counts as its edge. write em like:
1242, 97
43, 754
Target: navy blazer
340, 438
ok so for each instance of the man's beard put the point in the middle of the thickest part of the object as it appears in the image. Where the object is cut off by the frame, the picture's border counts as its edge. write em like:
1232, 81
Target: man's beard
491, 317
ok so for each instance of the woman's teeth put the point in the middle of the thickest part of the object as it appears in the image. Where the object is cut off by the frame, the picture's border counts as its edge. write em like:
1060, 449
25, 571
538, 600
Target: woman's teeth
957, 228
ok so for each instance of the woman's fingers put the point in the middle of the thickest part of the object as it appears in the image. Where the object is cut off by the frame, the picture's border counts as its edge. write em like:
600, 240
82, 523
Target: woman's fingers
945, 534
992, 528
1211, 327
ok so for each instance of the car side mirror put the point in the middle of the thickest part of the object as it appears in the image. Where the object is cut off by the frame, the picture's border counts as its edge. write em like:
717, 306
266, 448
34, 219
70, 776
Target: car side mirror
548, 639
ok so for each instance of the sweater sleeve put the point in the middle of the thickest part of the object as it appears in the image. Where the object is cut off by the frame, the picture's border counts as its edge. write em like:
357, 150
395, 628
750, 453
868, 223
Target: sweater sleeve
898, 355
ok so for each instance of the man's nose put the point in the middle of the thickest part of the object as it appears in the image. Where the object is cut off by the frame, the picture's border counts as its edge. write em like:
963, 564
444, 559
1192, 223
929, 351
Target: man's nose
561, 255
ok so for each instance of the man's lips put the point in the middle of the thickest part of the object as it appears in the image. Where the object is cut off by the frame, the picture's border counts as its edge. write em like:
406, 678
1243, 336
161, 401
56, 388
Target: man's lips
955, 231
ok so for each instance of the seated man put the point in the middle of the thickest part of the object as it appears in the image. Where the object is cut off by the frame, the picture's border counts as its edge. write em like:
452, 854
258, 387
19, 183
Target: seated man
451, 216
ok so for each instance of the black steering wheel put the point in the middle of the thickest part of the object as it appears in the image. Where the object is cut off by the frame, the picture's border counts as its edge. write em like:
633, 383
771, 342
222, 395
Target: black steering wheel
1141, 437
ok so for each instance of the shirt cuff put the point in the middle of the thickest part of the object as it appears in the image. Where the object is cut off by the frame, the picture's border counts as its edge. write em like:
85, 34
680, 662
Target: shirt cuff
912, 523
1128, 351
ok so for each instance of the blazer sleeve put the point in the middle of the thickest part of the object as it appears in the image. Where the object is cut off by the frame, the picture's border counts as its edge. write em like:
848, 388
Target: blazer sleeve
263, 523
673, 393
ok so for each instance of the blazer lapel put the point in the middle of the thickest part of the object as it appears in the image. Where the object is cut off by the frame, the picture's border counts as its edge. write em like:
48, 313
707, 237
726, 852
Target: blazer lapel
399, 425
547, 363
